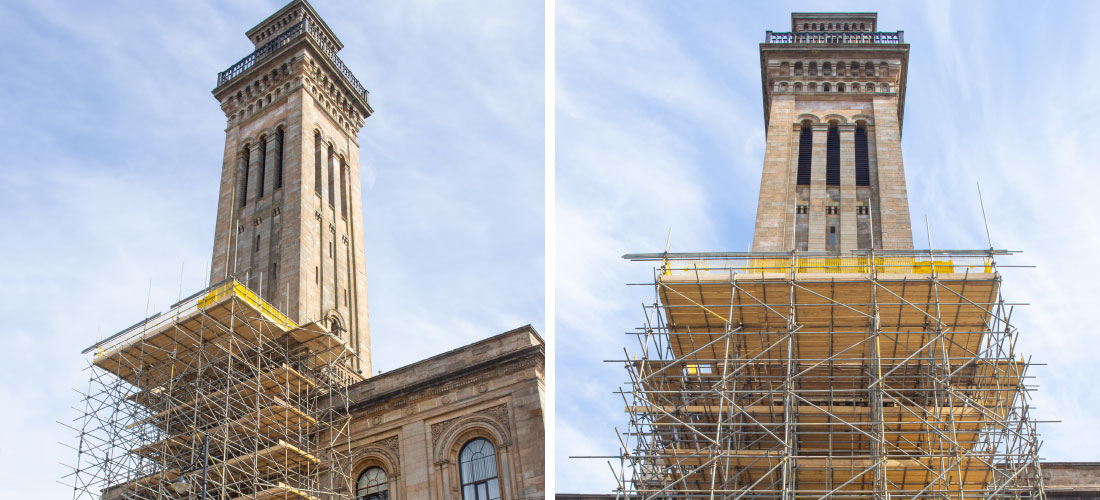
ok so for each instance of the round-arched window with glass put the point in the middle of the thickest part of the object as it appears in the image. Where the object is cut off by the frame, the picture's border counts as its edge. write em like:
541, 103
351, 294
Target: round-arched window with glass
477, 466
372, 485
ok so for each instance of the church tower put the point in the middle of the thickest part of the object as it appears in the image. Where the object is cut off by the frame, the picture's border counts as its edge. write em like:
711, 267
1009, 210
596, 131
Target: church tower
289, 222
834, 96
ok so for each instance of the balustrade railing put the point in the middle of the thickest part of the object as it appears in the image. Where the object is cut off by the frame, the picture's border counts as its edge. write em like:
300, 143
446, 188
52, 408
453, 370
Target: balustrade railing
285, 38
805, 37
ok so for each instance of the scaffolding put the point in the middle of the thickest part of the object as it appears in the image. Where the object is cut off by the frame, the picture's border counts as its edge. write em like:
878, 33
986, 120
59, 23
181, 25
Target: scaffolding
222, 394
883, 374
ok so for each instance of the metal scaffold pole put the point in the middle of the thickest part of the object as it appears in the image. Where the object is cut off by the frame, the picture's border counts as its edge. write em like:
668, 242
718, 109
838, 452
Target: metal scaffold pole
223, 395
882, 374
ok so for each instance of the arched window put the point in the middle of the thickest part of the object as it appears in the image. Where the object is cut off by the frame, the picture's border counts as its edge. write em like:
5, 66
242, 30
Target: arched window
855, 68
863, 164
883, 69
825, 87
477, 467
805, 152
372, 485
832, 156
827, 69
317, 163
870, 87
813, 68
841, 68
246, 156
798, 68
344, 188
262, 147
840, 87
798, 87
784, 68
869, 69
331, 177
279, 157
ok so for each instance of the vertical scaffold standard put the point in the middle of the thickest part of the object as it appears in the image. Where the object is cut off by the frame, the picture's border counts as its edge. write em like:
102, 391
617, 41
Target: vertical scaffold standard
888, 374
222, 368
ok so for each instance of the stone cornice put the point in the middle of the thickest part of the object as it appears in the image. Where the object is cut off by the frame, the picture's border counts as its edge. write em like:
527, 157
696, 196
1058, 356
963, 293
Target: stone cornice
528, 357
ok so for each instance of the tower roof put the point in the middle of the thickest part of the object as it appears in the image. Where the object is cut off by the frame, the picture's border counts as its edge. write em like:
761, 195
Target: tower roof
834, 21
286, 17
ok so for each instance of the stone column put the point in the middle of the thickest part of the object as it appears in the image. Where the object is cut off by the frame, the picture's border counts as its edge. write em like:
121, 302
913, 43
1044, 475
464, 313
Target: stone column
818, 193
790, 214
445, 478
270, 150
849, 238
395, 487
253, 173
772, 205
507, 491
894, 202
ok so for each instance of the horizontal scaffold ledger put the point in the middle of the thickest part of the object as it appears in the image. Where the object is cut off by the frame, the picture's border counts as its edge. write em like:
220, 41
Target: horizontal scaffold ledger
887, 374
221, 389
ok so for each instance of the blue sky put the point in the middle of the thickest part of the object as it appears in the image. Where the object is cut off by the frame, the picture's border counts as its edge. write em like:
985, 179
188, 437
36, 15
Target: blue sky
660, 126
112, 148
112, 154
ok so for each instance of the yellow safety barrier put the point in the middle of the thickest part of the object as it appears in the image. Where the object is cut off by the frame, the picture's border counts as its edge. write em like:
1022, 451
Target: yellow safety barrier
856, 265
242, 292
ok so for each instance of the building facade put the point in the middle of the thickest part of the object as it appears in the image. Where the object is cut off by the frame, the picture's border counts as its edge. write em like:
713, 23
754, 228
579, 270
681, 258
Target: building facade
466, 424
259, 386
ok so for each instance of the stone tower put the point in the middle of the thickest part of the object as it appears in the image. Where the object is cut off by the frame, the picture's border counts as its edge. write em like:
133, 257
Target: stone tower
289, 221
834, 96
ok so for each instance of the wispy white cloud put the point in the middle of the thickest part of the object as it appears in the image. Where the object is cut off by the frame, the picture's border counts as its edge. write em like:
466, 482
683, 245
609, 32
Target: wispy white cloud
660, 126
112, 157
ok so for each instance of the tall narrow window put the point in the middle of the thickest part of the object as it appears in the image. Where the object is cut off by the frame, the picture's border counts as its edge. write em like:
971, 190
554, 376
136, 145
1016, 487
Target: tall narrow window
343, 189
246, 155
273, 281
372, 485
262, 150
317, 163
863, 164
331, 177
279, 158
832, 157
805, 153
477, 466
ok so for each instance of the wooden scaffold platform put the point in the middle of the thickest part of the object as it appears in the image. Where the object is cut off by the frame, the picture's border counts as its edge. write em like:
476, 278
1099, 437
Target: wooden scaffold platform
222, 381
887, 375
